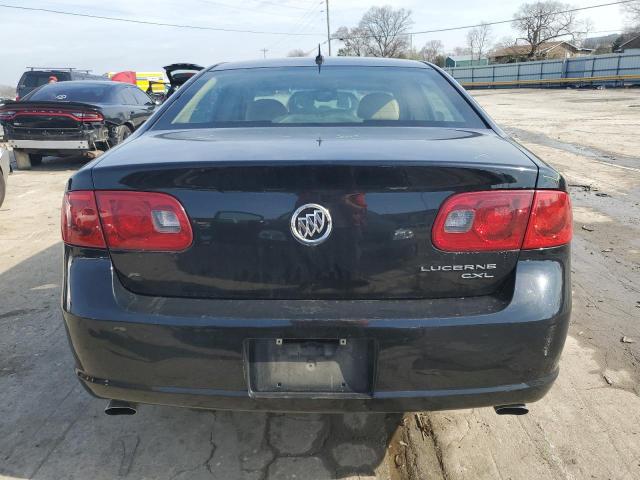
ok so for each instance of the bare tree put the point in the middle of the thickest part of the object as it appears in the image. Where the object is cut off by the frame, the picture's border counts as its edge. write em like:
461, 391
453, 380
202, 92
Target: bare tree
296, 52
478, 40
462, 51
633, 10
355, 42
541, 22
431, 51
386, 30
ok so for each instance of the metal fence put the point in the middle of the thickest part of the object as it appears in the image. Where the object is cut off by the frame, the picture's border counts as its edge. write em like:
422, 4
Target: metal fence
617, 68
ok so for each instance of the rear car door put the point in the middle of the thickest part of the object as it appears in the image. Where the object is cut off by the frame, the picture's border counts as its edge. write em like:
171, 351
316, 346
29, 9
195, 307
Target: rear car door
135, 108
147, 105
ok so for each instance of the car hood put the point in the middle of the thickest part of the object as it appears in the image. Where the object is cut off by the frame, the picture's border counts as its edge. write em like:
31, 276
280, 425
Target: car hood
324, 144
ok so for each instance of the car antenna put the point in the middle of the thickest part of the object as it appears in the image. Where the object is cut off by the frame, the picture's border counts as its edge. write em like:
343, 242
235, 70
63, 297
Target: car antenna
319, 59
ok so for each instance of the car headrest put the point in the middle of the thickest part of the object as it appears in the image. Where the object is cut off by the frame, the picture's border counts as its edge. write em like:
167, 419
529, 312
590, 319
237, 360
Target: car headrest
302, 102
265, 109
379, 106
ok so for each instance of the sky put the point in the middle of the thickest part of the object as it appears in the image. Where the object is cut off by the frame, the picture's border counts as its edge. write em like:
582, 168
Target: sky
46, 39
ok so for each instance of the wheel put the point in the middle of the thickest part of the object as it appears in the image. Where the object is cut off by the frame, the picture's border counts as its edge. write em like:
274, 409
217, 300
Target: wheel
35, 158
124, 131
3, 188
23, 162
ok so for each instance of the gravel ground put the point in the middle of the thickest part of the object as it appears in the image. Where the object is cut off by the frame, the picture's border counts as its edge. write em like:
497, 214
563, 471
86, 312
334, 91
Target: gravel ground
587, 427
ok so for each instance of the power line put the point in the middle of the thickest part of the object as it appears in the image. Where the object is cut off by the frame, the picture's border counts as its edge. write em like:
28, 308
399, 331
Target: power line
158, 24
244, 9
281, 5
305, 21
497, 22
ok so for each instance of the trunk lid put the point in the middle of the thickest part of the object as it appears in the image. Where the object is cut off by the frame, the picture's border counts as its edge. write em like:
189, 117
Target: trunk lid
382, 187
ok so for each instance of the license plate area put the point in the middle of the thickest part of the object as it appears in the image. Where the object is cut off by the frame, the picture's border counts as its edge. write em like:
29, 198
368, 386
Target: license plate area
314, 367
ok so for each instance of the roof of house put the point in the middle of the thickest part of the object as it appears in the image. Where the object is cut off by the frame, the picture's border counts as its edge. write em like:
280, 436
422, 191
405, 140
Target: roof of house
633, 43
525, 49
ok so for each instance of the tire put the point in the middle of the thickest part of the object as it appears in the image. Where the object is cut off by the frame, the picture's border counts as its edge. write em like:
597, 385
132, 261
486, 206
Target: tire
35, 158
3, 188
23, 162
124, 131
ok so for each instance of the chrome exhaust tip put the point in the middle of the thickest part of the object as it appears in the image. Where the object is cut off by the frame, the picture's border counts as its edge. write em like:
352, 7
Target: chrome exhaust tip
118, 407
515, 409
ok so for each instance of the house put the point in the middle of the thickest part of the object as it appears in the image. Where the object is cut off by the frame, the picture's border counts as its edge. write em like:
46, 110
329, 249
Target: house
546, 51
631, 46
464, 61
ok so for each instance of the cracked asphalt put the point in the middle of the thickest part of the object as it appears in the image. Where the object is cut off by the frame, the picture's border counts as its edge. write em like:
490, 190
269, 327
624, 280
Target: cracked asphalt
587, 427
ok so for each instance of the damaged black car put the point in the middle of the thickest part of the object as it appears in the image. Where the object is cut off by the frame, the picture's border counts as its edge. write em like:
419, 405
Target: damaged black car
71, 118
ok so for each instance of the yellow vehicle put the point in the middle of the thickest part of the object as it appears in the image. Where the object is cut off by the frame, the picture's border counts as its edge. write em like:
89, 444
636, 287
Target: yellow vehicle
143, 79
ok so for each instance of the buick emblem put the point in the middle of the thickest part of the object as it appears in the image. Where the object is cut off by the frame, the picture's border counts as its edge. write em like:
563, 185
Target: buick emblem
311, 224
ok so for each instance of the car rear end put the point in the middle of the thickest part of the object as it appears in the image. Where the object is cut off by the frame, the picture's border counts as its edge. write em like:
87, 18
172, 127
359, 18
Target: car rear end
44, 128
318, 269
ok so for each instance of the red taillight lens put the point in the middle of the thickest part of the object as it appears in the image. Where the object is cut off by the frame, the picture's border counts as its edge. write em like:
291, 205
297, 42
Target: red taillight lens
80, 222
551, 221
483, 221
88, 117
143, 221
503, 220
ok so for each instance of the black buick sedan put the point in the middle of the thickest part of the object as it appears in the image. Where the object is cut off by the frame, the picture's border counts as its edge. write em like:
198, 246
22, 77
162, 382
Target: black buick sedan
352, 235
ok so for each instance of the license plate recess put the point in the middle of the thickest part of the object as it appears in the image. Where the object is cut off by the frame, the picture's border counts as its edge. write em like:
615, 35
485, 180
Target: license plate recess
332, 367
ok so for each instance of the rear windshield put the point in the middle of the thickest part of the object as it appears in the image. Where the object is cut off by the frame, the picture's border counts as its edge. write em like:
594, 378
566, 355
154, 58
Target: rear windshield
73, 92
35, 79
302, 96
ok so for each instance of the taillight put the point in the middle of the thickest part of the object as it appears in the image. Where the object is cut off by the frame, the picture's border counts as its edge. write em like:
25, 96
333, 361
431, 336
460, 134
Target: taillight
140, 221
481, 221
501, 220
143, 221
80, 222
88, 117
551, 221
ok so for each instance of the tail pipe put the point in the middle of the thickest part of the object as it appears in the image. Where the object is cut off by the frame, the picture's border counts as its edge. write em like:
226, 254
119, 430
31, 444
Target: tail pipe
118, 407
515, 409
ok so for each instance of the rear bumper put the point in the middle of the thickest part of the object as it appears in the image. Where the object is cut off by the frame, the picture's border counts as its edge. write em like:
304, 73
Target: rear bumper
49, 145
431, 354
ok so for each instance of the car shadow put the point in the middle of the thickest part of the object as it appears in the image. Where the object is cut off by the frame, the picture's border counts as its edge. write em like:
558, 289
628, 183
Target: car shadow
62, 163
51, 428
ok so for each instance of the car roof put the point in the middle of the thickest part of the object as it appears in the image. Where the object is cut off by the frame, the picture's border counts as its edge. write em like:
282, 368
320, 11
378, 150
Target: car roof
85, 83
327, 61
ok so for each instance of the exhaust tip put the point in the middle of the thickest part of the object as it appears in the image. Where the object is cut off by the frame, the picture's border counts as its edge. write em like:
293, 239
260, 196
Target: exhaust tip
118, 407
515, 409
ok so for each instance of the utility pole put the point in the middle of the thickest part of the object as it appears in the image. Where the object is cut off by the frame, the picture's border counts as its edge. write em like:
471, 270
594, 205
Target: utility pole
328, 27
264, 52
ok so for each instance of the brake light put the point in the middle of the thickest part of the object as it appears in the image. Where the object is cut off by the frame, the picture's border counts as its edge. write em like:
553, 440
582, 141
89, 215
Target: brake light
482, 221
143, 221
501, 220
551, 221
84, 117
140, 221
88, 117
80, 222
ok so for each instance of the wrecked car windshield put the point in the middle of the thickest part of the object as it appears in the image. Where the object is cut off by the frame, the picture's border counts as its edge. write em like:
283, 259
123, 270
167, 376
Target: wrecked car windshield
336, 96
